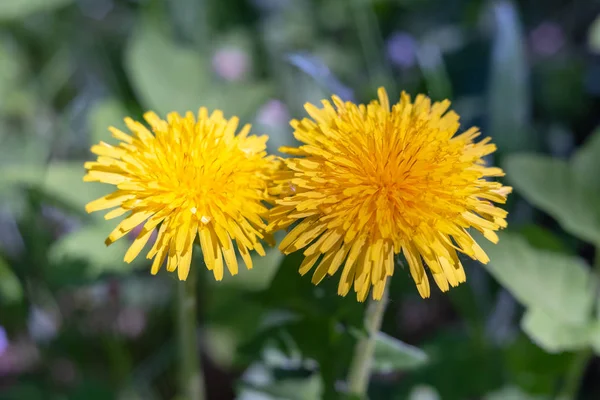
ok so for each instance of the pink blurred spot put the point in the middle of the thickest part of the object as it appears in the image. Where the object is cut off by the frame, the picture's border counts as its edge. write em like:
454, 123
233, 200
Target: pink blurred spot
273, 113
231, 64
547, 39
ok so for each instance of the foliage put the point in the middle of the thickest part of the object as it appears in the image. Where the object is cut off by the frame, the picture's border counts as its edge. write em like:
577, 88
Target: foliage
79, 323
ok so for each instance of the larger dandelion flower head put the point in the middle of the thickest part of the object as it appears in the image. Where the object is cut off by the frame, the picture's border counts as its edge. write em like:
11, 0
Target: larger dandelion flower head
187, 177
374, 181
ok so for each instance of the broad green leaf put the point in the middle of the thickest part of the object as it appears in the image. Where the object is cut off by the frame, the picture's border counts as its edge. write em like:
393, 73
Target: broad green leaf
423, 392
63, 181
550, 185
262, 272
15, 9
531, 368
585, 164
555, 335
594, 36
513, 393
106, 113
221, 343
260, 382
11, 290
286, 389
543, 239
394, 355
169, 77
87, 244
595, 337
509, 86
558, 284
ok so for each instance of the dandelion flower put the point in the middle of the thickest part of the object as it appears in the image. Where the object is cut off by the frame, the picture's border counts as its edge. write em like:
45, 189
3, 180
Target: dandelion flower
372, 181
186, 178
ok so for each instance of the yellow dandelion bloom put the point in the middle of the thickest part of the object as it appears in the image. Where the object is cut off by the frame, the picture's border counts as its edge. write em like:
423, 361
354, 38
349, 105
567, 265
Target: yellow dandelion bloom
192, 177
374, 181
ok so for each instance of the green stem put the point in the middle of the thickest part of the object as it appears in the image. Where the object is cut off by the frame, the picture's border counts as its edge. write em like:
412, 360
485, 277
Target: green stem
582, 358
369, 37
575, 374
192, 381
360, 368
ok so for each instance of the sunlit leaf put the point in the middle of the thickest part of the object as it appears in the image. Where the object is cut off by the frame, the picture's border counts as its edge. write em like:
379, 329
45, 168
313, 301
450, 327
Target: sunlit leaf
169, 77
551, 185
15, 9
555, 335
11, 290
513, 393
423, 392
87, 244
557, 284
594, 36
261, 274
62, 181
585, 164
392, 354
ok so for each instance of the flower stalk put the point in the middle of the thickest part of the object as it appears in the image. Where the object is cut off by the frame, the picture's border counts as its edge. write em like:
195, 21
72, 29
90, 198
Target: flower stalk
360, 368
190, 374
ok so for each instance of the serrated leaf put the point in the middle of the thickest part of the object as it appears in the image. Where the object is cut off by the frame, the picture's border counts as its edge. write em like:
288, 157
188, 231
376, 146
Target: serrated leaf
557, 284
508, 88
550, 185
15, 9
555, 335
392, 354
168, 77
11, 290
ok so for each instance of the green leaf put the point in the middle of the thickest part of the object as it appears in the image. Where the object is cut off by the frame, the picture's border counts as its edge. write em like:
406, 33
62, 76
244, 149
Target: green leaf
169, 77
555, 335
298, 389
551, 185
106, 113
11, 290
423, 392
15, 9
558, 284
509, 86
260, 276
512, 393
392, 354
63, 181
260, 383
543, 239
585, 164
531, 368
594, 36
87, 244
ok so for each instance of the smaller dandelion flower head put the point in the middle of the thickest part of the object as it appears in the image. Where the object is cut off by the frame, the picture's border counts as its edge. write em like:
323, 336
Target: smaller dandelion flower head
186, 177
374, 181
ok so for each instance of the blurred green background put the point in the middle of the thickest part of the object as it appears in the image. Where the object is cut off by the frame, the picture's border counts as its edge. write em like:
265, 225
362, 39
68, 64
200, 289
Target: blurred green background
76, 322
